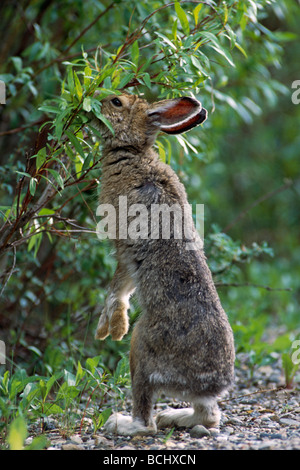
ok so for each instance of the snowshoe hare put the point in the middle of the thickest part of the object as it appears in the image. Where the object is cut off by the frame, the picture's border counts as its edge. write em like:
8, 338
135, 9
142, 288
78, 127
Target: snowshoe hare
182, 344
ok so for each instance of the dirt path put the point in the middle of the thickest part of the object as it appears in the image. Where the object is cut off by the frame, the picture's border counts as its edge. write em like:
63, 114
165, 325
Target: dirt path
257, 415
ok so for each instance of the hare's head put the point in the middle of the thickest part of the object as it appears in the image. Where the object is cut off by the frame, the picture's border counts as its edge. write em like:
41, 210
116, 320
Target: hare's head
136, 122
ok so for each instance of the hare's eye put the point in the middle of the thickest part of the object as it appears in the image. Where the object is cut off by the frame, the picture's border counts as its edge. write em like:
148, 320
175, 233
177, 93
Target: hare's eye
116, 102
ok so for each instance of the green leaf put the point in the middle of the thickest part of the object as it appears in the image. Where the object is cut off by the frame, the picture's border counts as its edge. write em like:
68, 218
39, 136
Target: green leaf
240, 48
43, 390
57, 177
167, 40
69, 378
289, 367
20, 384
87, 104
196, 63
122, 370
49, 109
46, 211
38, 443
32, 186
217, 46
17, 61
78, 165
67, 394
196, 12
182, 18
60, 122
35, 242
126, 79
91, 363
17, 434
40, 157
52, 409
35, 350
75, 142
5, 382
23, 173
80, 373
87, 76
169, 147
106, 122
147, 80
103, 417
31, 390
225, 12
78, 87
95, 131
135, 52
174, 30
87, 162
161, 151
70, 78
284, 36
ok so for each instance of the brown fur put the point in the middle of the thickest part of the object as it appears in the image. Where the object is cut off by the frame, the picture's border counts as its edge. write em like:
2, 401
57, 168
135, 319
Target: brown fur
182, 344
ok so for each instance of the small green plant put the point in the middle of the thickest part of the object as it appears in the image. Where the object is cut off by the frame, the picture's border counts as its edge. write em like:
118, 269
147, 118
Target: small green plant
18, 434
168, 436
70, 394
289, 369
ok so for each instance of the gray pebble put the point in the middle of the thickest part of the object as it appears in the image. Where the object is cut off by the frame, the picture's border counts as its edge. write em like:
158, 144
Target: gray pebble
264, 420
289, 422
235, 421
199, 431
72, 446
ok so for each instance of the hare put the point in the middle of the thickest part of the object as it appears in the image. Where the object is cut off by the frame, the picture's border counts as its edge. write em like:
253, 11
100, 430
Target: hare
182, 344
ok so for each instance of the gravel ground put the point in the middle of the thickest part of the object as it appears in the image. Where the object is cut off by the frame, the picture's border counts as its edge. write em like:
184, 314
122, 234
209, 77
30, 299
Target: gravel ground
258, 414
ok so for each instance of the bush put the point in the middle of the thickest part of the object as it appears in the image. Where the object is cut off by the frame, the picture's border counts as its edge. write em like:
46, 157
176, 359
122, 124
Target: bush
243, 166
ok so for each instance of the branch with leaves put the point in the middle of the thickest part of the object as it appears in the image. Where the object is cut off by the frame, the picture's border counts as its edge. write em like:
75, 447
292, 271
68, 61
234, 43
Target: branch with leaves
62, 144
188, 56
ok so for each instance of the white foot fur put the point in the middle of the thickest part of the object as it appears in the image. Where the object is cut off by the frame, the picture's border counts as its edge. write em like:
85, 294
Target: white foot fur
184, 418
126, 426
188, 417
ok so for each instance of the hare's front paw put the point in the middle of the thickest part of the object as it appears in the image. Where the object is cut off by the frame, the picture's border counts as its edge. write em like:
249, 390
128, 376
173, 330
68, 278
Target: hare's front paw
126, 426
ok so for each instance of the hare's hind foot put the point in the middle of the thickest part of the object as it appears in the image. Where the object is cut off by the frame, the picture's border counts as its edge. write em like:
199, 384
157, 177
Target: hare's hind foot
126, 426
205, 412
102, 330
119, 324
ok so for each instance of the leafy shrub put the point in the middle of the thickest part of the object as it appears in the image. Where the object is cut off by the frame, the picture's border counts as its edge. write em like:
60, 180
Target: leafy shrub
54, 271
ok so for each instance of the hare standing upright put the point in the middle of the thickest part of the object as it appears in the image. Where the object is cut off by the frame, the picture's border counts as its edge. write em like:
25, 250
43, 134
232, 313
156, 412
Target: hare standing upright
182, 344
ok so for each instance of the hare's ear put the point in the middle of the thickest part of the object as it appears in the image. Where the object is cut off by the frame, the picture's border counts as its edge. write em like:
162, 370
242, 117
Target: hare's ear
177, 115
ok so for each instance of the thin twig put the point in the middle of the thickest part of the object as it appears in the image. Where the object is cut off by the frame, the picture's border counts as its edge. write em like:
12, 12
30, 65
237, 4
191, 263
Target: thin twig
248, 284
10, 272
263, 198
89, 26
277, 389
21, 128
